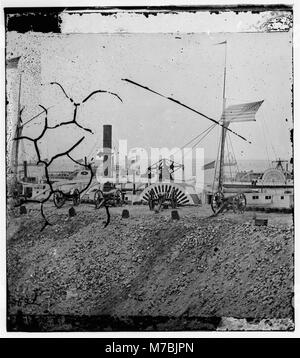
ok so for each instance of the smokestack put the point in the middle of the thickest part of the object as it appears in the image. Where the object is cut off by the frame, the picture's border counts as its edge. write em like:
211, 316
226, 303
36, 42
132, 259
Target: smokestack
25, 169
107, 149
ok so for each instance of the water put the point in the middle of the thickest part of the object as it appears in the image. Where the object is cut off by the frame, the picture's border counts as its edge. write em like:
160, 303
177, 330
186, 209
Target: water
257, 165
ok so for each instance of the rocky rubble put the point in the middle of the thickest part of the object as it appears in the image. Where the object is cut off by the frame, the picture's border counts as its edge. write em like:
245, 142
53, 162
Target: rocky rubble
149, 264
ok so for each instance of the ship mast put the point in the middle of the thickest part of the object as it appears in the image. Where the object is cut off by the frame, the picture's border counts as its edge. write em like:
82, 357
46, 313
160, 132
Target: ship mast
17, 134
224, 127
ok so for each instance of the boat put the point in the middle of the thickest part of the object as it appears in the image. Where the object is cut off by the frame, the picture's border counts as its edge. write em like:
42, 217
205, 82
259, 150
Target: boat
271, 189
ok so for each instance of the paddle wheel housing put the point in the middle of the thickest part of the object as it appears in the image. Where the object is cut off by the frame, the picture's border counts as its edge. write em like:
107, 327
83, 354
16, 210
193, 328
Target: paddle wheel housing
171, 193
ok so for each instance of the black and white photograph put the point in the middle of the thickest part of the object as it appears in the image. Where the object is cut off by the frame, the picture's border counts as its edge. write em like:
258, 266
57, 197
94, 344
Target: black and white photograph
149, 168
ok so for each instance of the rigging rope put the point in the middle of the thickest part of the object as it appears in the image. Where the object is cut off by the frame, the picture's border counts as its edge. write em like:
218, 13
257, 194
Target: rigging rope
234, 156
185, 106
264, 124
215, 173
266, 142
201, 138
205, 135
37, 115
213, 125
197, 136
227, 146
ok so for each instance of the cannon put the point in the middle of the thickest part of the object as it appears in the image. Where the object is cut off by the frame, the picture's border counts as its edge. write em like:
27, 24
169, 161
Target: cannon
60, 197
112, 195
162, 199
107, 195
220, 203
92, 194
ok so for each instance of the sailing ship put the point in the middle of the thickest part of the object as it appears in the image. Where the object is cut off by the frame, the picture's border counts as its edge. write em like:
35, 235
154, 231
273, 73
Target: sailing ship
19, 183
271, 189
27, 180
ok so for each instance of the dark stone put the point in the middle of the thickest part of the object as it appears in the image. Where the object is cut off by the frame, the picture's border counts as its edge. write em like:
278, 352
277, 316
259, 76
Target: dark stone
261, 222
72, 212
125, 214
175, 215
23, 210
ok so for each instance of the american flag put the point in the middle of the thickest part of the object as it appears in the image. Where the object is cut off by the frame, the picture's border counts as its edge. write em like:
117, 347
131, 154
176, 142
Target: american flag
241, 112
210, 165
12, 63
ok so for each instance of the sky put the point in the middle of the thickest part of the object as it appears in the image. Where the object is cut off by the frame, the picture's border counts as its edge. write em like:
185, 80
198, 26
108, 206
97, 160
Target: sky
185, 66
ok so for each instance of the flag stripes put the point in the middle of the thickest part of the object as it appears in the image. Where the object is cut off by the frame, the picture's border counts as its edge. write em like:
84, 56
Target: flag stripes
210, 165
241, 112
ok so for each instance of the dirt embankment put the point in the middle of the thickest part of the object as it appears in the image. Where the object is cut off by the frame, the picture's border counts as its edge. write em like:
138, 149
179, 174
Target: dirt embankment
149, 265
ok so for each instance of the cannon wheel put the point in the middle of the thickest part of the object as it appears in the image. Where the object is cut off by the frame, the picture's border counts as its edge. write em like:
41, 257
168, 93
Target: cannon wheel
59, 198
98, 198
76, 197
118, 200
241, 202
217, 200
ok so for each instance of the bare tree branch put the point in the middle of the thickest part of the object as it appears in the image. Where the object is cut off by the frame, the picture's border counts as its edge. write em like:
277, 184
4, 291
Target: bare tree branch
101, 91
61, 87
47, 223
66, 153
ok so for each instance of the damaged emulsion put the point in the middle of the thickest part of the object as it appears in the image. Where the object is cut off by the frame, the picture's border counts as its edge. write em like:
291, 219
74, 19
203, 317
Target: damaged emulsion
24, 20
48, 20
66, 153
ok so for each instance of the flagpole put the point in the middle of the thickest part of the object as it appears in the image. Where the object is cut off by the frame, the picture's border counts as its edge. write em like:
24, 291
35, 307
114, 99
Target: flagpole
223, 133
